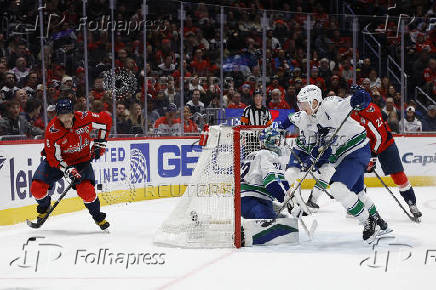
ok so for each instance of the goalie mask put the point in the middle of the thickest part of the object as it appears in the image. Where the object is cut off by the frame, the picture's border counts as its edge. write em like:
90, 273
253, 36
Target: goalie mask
306, 97
270, 139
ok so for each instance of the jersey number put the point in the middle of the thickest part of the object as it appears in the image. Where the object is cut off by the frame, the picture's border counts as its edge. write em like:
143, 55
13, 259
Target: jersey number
245, 169
379, 122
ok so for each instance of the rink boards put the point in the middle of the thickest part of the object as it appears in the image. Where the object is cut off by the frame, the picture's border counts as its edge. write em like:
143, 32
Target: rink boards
149, 168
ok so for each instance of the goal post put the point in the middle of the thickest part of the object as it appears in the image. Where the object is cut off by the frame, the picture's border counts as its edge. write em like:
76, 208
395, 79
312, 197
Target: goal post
208, 215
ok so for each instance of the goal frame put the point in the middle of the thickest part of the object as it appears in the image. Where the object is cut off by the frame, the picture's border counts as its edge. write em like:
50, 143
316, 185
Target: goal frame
237, 179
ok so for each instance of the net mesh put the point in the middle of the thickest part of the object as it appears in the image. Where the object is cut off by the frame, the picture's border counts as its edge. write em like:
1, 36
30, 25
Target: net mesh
205, 214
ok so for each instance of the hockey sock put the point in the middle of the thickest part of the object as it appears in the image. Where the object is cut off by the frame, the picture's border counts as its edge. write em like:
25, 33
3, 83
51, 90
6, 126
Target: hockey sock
94, 210
367, 202
43, 204
408, 194
349, 201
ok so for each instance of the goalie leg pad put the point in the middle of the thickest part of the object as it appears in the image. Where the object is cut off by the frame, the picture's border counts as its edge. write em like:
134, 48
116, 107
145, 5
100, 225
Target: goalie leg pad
86, 191
256, 208
282, 231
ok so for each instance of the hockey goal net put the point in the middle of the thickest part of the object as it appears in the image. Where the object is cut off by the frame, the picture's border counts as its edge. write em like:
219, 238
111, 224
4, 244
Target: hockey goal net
208, 215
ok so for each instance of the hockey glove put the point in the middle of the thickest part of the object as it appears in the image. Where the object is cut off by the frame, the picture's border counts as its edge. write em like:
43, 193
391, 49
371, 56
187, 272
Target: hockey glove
72, 174
296, 206
99, 148
371, 165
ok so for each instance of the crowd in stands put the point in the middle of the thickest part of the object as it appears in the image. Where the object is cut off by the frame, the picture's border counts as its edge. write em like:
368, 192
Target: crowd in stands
330, 64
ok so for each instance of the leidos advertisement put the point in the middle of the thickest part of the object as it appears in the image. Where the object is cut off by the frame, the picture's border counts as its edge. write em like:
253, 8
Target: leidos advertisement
154, 162
127, 163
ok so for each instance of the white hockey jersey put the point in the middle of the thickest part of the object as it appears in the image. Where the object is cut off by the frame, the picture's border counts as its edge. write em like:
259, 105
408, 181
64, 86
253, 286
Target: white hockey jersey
259, 170
351, 136
307, 126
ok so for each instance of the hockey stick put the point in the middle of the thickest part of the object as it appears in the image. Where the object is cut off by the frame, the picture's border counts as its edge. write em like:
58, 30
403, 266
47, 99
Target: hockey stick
311, 173
312, 227
413, 219
42, 221
321, 152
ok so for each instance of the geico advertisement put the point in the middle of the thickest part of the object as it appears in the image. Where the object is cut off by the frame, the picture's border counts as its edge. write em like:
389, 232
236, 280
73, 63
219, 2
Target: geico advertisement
125, 165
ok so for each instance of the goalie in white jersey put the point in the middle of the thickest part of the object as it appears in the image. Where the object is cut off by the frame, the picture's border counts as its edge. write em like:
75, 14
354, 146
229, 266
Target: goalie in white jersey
350, 153
262, 182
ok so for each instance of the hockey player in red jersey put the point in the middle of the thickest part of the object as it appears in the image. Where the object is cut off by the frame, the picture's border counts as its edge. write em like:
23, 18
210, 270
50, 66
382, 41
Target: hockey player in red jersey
68, 153
384, 148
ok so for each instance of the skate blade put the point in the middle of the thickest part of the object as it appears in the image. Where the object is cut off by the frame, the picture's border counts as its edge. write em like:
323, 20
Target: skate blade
312, 209
106, 231
384, 232
371, 239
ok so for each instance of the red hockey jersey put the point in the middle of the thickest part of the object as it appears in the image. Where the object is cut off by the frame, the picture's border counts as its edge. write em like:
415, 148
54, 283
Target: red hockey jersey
377, 129
64, 147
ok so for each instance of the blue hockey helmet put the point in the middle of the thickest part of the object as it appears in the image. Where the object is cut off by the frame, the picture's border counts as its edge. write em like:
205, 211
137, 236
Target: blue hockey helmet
64, 106
270, 139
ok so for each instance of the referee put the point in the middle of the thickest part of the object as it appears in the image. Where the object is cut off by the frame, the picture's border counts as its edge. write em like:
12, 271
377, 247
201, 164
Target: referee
256, 114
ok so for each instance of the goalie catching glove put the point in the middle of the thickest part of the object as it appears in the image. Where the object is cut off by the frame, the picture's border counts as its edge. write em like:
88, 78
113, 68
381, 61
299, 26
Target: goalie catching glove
296, 206
99, 148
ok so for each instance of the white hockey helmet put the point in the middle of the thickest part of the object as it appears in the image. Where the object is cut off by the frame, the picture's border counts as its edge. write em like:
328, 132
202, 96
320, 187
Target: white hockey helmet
308, 94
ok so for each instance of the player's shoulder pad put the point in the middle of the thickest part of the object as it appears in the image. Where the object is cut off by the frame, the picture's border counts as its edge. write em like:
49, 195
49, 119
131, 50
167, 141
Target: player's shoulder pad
299, 119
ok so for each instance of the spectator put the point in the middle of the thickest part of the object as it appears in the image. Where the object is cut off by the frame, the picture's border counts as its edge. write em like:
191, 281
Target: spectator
324, 69
169, 124
256, 114
32, 113
194, 104
430, 76
277, 102
392, 114
136, 119
316, 79
199, 65
51, 112
236, 102
188, 125
21, 70
375, 81
378, 99
365, 68
9, 89
67, 81
291, 96
195, 85
275, 85
52, 92
22, 97
124, 124
167, 67
15, 124
429, 120
411, 123
246, 95
97, 92
171, 94
79, 104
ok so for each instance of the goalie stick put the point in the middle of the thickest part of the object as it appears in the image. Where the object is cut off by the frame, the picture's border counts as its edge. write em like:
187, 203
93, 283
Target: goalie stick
413, 219
320, 152
312, 227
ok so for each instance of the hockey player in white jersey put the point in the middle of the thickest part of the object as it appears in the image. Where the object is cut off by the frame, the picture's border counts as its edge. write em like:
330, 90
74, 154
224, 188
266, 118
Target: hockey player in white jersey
301, 158
262, 181
350, 153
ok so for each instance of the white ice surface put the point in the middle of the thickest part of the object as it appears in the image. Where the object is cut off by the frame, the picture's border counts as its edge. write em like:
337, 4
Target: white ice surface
332, 260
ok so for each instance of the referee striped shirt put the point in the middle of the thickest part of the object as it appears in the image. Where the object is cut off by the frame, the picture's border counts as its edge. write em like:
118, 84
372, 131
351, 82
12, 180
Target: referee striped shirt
256, 117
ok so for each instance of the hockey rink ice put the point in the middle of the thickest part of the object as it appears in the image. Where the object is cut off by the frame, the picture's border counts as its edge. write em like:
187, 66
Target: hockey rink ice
70, 252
